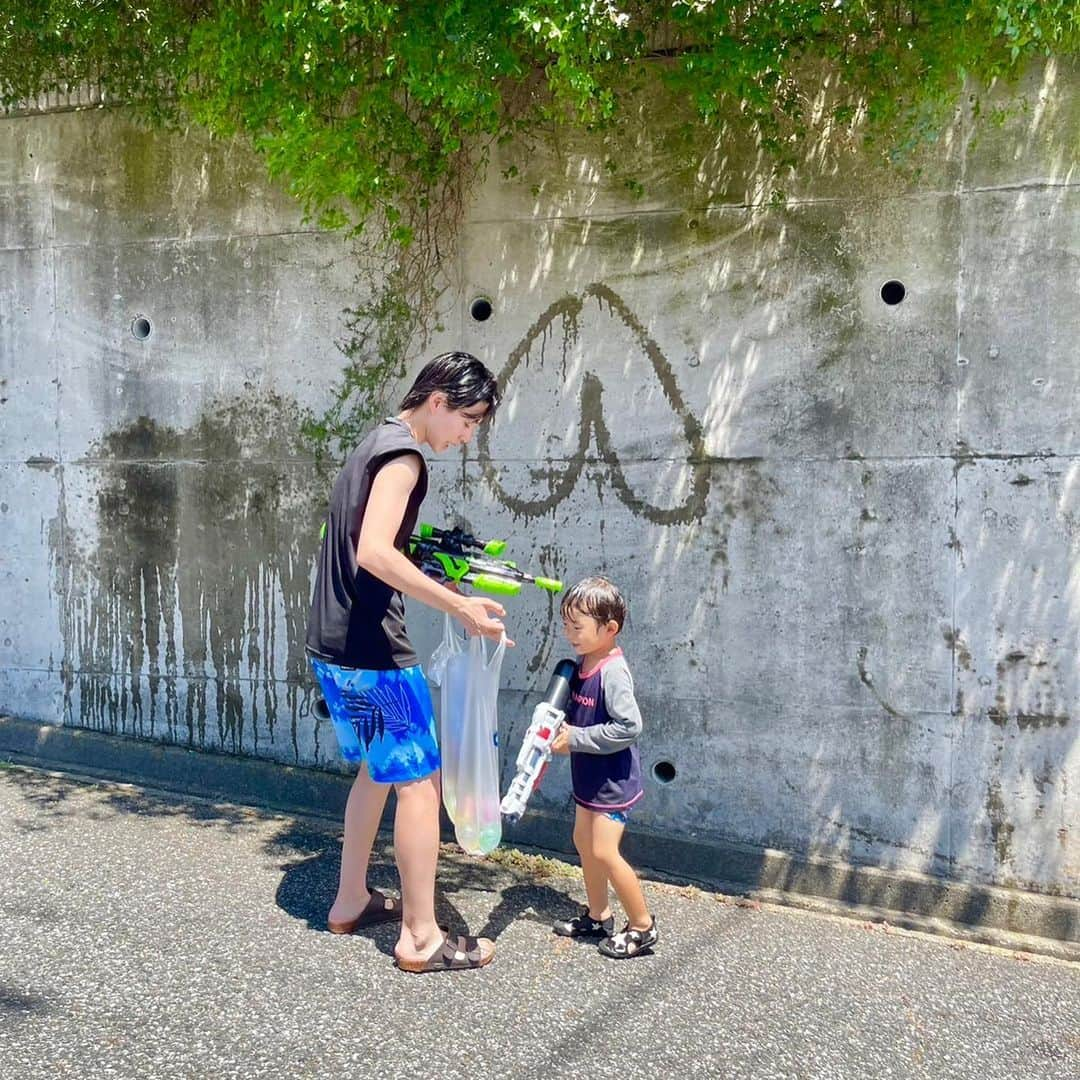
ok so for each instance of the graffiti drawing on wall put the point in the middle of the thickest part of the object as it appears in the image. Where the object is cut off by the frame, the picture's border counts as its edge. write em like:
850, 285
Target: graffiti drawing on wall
558, 466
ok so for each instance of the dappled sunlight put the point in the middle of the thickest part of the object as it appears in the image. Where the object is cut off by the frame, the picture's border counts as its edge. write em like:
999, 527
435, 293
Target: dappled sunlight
1018, 633
1068, 510
58, 799
1038, 112
848, 529
706, 398
1033, 141
796, 615
1017, 615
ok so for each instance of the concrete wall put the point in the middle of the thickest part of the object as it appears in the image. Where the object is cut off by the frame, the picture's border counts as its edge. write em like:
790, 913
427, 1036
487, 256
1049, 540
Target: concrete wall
847, 530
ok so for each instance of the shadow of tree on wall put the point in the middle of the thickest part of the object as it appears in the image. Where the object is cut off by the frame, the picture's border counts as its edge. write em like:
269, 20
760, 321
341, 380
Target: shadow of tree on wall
805, 631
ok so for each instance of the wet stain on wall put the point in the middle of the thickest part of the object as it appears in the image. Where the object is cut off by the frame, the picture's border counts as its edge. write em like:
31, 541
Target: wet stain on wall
553, 562
184, 559
1001, 829
961, 652
1027, 692
867, 679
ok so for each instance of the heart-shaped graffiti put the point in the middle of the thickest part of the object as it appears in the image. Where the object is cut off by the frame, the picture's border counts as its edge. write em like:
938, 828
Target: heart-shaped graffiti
593, 425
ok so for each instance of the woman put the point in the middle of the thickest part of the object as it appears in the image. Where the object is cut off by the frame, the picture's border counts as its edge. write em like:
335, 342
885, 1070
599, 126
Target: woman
370, 675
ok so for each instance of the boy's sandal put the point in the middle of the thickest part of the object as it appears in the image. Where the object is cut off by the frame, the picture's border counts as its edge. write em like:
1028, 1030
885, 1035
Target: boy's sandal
584, 925
627, 943
455, 954
380, 908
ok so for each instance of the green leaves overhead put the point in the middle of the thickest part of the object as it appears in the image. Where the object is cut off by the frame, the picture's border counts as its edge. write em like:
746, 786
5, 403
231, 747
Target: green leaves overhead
370, 108
386, 112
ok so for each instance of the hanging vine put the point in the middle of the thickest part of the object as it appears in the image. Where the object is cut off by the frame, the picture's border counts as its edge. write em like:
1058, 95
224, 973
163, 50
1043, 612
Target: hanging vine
382, 114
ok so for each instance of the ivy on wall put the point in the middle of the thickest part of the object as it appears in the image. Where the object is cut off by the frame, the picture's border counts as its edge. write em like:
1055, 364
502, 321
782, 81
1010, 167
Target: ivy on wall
373, 111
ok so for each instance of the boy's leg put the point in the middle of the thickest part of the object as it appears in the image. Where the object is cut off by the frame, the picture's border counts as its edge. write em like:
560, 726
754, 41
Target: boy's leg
607, 834
363, 812
592, 869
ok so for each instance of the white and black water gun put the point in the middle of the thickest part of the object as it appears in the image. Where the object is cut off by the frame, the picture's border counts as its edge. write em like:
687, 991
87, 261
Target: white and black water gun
535, 753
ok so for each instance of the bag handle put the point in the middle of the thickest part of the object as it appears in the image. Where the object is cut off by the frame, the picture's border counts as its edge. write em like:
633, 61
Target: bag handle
452, 638
491, 663
445, 651
478, 646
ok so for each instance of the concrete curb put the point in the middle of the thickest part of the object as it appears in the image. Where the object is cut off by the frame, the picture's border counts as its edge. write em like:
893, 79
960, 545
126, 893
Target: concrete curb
1049, 924
1006, 917
169, 767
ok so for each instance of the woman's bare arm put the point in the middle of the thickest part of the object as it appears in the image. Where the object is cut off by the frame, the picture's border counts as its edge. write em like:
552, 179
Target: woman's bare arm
375, 552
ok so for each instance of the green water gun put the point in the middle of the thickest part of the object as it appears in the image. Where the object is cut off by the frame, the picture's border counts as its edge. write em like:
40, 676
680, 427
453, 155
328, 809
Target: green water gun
457, 556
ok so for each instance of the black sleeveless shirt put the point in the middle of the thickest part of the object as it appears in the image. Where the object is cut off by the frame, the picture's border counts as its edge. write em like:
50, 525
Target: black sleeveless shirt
356, 619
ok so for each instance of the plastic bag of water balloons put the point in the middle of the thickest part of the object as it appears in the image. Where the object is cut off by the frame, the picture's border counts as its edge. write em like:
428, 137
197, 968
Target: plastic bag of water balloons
467, 673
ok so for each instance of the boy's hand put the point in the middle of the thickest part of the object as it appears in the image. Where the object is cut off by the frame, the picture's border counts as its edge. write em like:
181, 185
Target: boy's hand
561, 745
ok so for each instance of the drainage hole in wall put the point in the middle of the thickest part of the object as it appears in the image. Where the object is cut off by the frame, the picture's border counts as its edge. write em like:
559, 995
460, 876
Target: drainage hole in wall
140, 327
892, 292
663, 772
481, 309
320, 710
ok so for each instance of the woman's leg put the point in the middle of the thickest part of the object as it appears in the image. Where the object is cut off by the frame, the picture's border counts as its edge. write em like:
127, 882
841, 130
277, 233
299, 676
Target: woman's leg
416, 849
607, 835
594, 872
363, 812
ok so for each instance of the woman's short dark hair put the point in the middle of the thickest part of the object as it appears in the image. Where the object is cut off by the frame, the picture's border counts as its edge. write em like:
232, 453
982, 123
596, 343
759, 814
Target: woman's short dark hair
597, 598
461, 377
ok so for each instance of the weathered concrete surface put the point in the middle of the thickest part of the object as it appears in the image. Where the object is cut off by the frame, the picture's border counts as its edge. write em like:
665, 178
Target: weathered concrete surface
150, 936
579, 175
159, 508
846, 529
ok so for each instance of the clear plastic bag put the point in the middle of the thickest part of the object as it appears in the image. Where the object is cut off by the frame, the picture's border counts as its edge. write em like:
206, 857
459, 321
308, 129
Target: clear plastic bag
452, 681
468, 676
448, 647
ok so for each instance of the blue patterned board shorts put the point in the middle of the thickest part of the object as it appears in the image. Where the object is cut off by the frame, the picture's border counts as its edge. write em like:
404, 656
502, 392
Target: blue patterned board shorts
383, 719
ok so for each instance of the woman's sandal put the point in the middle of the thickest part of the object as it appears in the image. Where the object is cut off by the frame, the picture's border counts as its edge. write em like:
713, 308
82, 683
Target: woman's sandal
627, 943
455, 954
380, 908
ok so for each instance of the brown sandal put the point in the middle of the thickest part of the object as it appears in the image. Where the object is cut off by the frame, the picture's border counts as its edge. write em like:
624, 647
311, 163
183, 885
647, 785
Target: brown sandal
380, 908
459, 954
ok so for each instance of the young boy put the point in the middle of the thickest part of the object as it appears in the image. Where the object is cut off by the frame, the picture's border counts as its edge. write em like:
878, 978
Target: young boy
603, 724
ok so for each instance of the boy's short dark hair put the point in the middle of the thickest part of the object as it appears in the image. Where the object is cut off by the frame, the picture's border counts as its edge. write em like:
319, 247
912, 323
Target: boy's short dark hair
461, 377
596, 597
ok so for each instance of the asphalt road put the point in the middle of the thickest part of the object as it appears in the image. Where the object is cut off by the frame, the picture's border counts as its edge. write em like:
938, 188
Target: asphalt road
150, 936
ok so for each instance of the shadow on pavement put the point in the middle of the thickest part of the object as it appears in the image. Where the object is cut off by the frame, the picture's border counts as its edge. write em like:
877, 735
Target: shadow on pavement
307, 889
50, 794
14, 1002
310, 856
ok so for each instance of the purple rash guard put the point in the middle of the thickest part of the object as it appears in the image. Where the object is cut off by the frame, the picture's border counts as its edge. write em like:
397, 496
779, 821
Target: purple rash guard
604, 761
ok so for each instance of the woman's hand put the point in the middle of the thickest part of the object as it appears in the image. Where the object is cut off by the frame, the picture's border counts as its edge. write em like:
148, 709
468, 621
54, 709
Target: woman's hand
561, 743
479, 615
